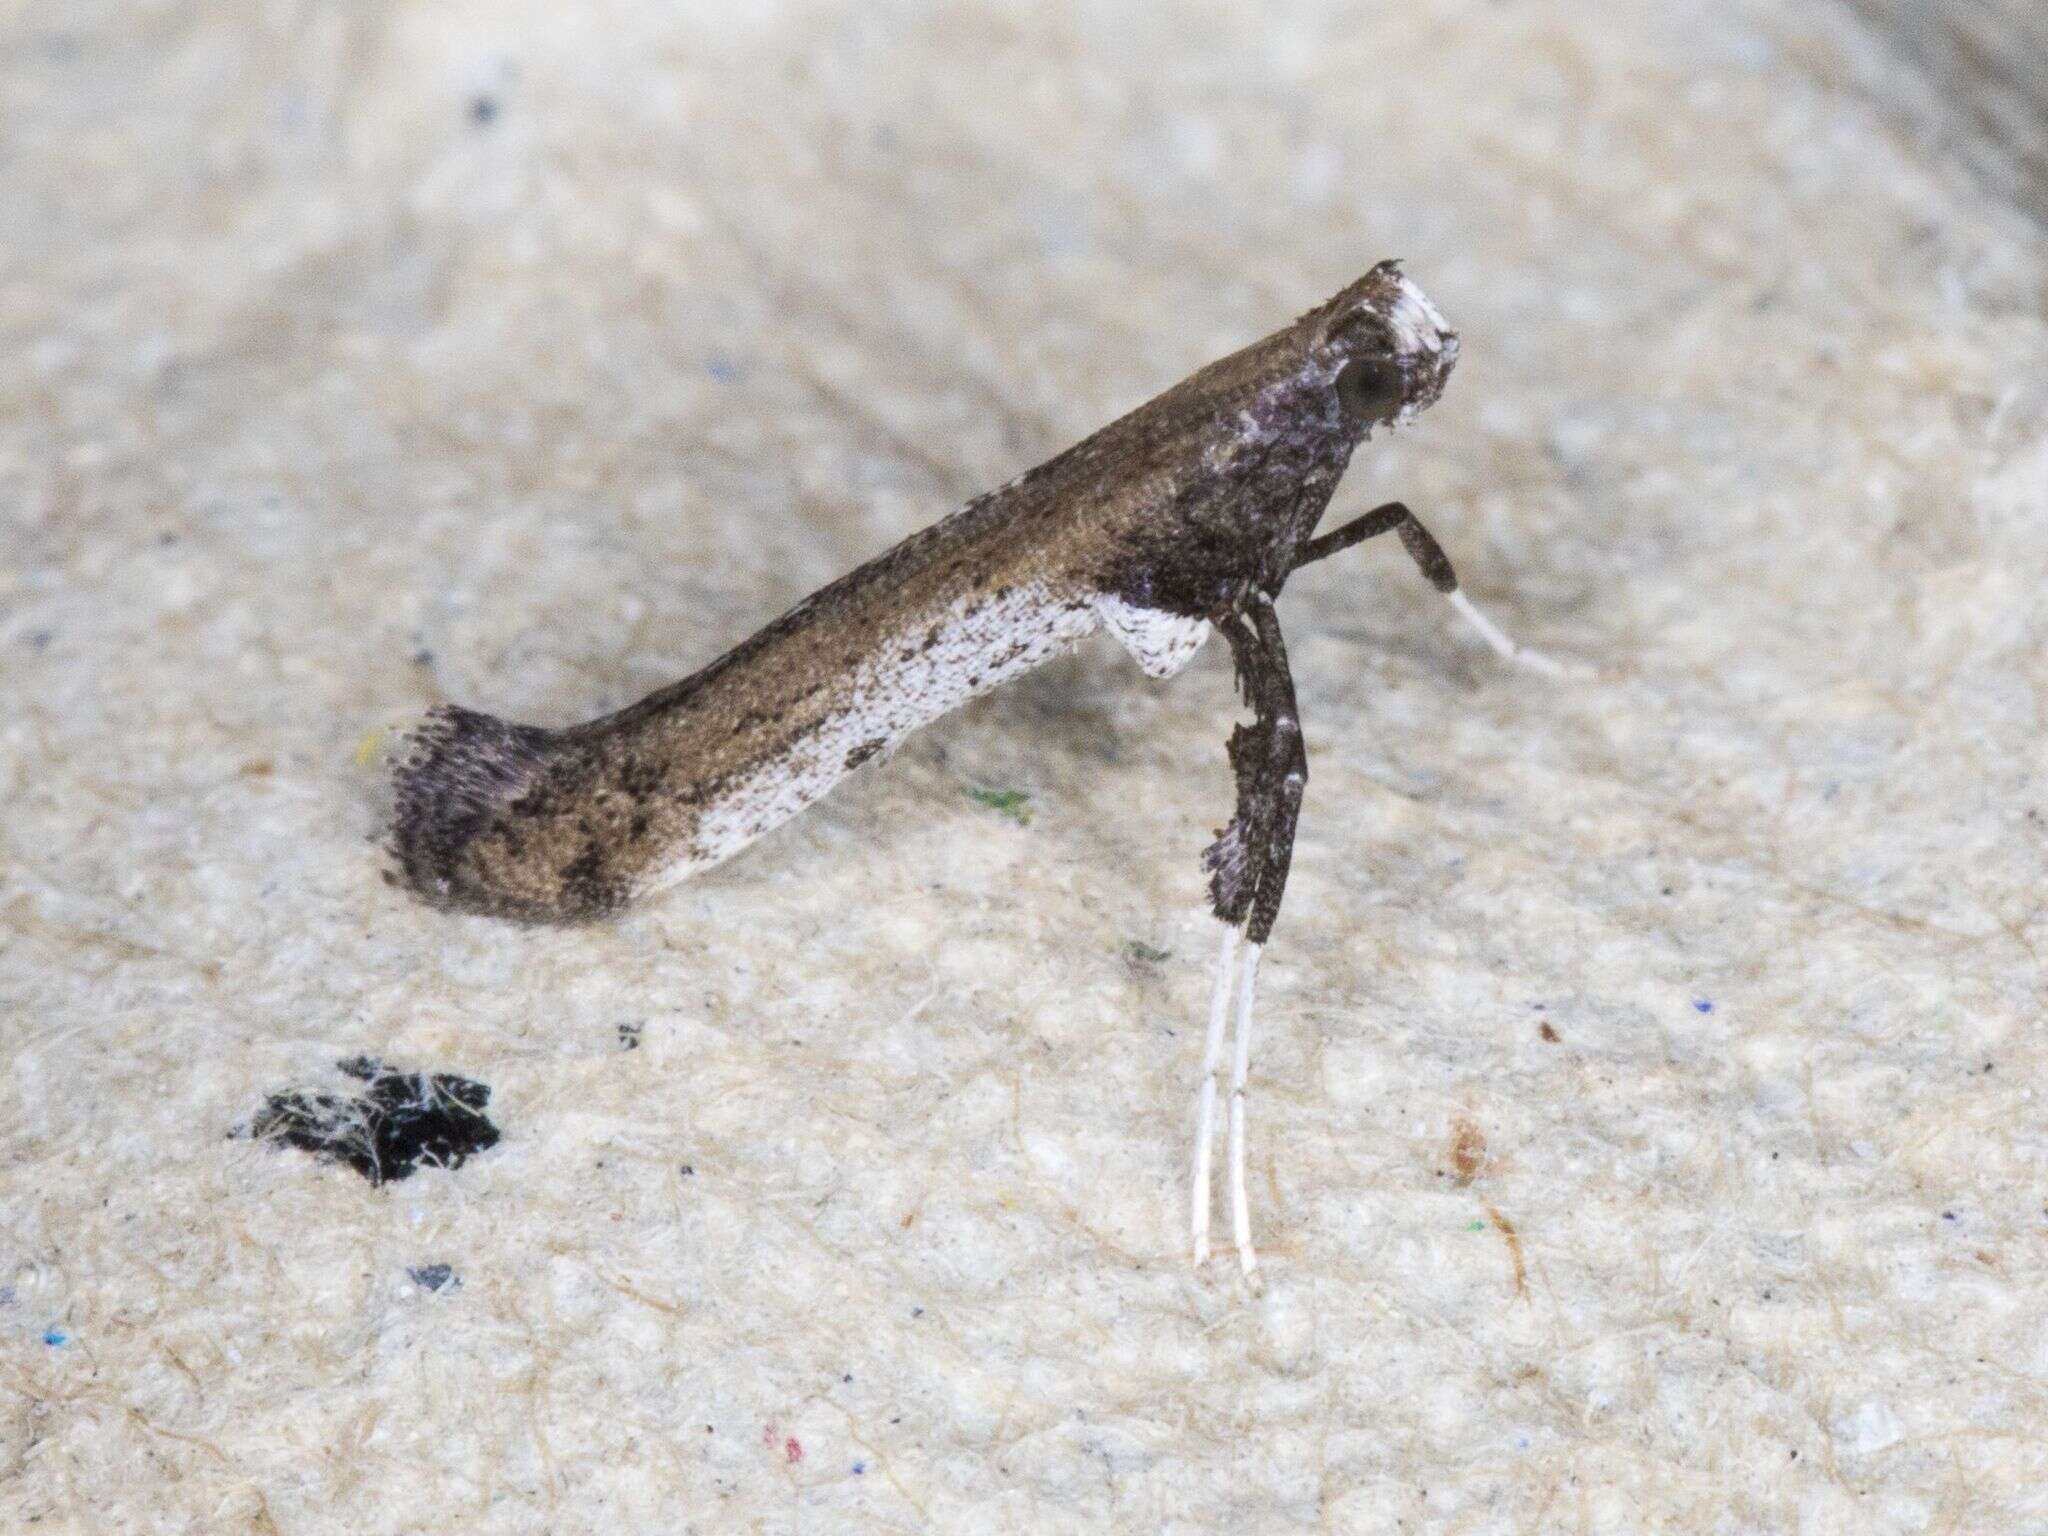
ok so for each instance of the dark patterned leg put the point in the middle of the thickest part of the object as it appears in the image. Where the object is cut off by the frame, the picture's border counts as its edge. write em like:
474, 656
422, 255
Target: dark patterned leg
1248, 865
1430, 559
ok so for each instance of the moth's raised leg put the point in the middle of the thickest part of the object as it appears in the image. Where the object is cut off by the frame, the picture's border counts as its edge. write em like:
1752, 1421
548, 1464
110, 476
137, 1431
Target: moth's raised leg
1430, 559
1247, 867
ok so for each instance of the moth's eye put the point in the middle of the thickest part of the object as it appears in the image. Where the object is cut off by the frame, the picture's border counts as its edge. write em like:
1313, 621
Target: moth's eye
1369, 388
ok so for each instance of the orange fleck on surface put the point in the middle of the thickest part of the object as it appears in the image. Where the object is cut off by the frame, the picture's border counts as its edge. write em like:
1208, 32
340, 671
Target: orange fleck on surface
1514, 1242
1468, 1150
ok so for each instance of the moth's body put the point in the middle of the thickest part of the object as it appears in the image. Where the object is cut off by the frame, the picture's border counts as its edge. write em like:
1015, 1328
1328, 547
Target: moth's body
1186, 515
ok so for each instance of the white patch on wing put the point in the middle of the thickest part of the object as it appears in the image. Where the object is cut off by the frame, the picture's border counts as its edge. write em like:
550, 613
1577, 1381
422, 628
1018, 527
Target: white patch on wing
907, 683
1160, 642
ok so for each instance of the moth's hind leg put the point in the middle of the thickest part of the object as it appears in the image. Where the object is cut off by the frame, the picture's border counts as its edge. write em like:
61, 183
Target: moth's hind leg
1430, 559
1205, 1097
1248, 865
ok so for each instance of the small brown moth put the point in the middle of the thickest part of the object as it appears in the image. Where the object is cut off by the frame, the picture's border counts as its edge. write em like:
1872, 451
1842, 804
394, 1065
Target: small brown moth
1186, 516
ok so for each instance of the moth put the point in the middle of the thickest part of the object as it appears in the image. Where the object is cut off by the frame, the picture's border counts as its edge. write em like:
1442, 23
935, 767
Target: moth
1181, 520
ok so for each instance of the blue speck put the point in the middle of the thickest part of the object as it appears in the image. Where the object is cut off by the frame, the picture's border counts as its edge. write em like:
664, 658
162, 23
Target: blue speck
1703, 1005
54, 1336
723, 370
859, 1467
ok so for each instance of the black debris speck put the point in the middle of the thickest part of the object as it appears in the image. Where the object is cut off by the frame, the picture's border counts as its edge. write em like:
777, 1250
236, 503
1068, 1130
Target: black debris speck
629, 1035
483, 111
433, 1277
400, 1121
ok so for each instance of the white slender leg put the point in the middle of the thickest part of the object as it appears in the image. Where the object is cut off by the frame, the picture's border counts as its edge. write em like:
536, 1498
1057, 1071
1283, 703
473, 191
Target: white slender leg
1240, 1206
1205, 1100
1496, 637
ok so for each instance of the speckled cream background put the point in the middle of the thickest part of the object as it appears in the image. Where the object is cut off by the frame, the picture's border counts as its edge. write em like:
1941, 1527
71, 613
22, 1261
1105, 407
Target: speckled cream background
354, 357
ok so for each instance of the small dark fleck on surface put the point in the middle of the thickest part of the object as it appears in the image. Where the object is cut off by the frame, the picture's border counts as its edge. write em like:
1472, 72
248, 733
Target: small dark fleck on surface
859, 1467
689, 1170
1547, 1032
1703, 1005
483, 111
423, 657
629, 1035
55, 1337
433, 1277
39, 639
917, 1311
1666, 891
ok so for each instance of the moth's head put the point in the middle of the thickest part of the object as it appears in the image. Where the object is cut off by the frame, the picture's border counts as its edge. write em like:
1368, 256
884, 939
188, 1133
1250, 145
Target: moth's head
1384, 347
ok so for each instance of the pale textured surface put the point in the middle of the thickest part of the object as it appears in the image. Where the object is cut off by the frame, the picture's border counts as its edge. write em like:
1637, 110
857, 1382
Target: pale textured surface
308, 373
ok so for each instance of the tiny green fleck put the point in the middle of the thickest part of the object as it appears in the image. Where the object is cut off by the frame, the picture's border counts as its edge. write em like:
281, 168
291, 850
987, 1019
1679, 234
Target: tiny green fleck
1476, 1226
1141, 953
1013, 803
